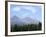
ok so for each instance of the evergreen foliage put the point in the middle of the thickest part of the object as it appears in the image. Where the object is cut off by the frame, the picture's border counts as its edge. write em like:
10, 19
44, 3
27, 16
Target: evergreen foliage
29, 27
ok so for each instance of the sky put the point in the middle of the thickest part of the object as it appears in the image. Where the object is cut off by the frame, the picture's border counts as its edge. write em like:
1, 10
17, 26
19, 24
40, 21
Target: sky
23, 11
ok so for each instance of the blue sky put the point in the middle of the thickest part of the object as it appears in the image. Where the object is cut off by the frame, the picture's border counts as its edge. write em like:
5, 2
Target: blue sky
23, 11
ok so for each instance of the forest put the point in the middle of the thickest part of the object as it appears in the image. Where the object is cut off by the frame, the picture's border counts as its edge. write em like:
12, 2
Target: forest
29, 27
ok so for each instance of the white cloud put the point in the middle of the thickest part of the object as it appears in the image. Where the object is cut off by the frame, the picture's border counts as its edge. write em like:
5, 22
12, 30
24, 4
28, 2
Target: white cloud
16, 9
26, 7
32, 9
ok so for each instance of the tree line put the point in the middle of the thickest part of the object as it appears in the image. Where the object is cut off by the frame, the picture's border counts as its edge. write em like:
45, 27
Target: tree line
29, 27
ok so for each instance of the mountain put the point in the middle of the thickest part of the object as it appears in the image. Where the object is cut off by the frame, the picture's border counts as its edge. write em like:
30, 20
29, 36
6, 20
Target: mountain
27, 20
16, 20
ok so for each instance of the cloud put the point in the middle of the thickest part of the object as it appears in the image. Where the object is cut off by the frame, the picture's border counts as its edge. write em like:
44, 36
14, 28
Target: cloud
16, 9
32, 9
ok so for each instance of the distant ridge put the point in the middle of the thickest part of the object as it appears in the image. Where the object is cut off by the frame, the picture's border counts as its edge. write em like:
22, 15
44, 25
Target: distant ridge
26, 20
